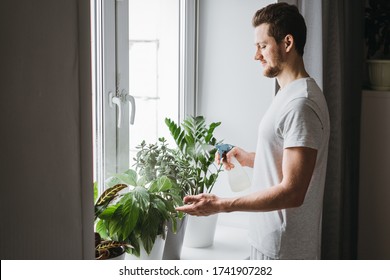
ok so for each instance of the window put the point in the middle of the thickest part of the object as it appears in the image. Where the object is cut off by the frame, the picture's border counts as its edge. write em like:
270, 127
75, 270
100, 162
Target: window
144, 71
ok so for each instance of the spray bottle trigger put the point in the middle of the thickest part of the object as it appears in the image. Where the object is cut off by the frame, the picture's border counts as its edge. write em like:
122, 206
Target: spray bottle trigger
223, 149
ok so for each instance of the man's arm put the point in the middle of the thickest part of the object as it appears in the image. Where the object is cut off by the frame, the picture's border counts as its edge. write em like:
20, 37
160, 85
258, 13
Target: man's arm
297, 167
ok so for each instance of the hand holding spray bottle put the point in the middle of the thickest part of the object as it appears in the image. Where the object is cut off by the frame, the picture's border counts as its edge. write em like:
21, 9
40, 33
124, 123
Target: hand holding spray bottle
238, 179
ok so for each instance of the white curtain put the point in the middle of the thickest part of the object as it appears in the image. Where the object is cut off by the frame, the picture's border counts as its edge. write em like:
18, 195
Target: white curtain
311, 11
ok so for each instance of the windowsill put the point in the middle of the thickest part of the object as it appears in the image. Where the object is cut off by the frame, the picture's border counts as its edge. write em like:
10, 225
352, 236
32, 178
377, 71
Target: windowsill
230, 243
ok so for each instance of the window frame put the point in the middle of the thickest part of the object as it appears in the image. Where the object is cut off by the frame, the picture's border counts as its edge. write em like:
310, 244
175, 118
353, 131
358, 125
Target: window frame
110, 69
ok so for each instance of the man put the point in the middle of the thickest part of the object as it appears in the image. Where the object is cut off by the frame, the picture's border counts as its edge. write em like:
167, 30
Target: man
289, 165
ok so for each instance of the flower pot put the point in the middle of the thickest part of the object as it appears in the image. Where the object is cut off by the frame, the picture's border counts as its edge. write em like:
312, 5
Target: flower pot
155, 254
174, 241
379, 74
113, 254
119, 257
200, 231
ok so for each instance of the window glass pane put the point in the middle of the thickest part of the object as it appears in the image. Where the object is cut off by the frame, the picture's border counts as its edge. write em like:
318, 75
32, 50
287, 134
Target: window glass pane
154, 68
143, 68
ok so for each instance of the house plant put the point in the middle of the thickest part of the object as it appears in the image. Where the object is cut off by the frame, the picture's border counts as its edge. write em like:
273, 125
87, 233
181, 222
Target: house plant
153, 161
138, 216
198, 172
107, 249
196, 153
377, 39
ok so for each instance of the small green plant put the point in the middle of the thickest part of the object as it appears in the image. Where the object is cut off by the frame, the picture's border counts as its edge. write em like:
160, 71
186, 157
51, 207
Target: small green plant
138, 216
195, 153
105, 249
156, 160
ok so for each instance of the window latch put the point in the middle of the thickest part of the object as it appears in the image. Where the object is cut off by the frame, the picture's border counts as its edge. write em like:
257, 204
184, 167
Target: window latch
113, 99
131, 99
123, 97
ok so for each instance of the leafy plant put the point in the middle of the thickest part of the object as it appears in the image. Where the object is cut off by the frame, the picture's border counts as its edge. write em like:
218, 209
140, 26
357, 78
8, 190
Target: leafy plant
196, 153
377, 28
105, 249
140, 215
156, 160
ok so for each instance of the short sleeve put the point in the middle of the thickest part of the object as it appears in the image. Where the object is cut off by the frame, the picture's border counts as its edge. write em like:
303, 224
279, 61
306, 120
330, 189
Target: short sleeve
299, 125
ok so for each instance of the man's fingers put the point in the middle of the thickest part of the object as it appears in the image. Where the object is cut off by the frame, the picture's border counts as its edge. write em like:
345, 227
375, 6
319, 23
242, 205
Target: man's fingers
190, 199
184, 208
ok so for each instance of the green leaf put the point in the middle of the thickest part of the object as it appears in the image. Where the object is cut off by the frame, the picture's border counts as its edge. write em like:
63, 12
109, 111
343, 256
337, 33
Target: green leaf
102, 229
135, 242
128, 177
113, 227
148, 242
141, 195
109, 212
181, 141
109, 194
106, 198
95, 192
130, 215
174, 225
190, 141
159, 204
150, 226
164, 184
153, 187
210, 131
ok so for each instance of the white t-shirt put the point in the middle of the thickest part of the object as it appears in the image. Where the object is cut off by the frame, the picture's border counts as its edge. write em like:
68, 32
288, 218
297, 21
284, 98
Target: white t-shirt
297, 117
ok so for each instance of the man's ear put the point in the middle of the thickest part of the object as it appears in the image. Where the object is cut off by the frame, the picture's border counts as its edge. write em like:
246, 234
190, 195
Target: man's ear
288, 42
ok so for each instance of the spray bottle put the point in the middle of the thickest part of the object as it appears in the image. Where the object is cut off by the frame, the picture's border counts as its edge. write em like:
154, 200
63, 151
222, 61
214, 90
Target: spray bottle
238, 179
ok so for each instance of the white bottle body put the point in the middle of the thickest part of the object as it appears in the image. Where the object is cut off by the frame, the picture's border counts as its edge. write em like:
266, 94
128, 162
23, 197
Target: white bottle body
238, 179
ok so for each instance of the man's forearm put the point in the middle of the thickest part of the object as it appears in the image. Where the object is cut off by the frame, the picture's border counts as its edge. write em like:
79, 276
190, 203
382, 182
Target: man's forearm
251, 160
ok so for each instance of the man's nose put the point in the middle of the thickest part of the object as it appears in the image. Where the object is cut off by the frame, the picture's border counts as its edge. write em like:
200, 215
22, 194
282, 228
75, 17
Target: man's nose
258, 55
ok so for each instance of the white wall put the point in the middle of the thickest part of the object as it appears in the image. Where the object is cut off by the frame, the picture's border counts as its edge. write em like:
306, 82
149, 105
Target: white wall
231, 87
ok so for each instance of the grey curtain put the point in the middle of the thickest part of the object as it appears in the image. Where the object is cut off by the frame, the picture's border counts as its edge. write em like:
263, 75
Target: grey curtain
46, 210
343, 23
334, 57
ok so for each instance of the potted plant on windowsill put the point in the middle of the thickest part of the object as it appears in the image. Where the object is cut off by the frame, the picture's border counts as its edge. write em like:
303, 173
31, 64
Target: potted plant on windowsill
153, 161
196, 155
139, 216
104, 248
377, 38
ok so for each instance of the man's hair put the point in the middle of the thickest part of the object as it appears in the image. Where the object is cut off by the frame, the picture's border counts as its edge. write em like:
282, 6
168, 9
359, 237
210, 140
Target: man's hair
283, 19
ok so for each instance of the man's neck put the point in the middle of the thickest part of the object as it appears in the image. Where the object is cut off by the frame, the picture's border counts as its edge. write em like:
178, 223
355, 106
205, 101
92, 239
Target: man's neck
292, 71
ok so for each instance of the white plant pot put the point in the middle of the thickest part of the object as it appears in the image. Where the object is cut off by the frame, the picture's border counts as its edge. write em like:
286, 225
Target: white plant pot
200, 231
379, 74
155, 254
174, 241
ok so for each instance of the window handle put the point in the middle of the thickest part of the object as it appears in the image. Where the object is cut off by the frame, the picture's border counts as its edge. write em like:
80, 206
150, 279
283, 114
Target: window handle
117, 101
131, 99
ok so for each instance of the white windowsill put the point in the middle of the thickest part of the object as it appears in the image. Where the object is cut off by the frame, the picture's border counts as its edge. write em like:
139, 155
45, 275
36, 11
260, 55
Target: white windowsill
230, 243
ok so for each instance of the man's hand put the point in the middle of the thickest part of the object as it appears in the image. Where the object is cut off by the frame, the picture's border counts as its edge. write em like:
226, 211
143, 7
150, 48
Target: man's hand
201, 205
243, 157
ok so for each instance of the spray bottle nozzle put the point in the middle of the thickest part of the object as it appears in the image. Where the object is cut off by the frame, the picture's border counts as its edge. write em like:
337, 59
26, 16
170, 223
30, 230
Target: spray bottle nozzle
223, 149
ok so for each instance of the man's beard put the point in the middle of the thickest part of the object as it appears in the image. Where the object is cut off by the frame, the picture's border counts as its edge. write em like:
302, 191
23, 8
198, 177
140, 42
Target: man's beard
272, 72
